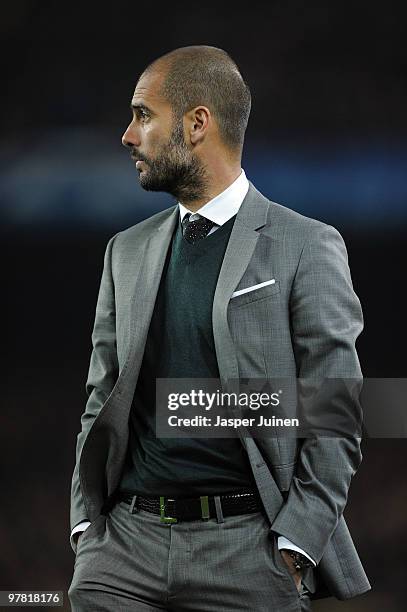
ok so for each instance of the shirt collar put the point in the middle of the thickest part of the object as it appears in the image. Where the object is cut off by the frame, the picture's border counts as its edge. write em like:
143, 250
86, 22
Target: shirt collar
225, 205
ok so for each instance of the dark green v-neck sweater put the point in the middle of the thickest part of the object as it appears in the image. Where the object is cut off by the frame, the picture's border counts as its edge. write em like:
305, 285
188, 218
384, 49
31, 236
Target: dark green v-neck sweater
180, 344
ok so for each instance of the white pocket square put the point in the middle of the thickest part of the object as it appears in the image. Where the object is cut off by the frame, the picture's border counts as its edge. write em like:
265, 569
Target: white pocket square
253, 287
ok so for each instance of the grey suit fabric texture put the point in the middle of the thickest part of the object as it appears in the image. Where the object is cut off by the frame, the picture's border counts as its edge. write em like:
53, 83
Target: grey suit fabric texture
133, 562
304, 325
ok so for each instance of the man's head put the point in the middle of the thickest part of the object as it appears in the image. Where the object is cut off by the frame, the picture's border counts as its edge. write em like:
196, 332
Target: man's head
190, 112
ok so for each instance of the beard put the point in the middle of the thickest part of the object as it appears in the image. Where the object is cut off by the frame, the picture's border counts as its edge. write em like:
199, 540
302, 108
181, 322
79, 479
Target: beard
175, 170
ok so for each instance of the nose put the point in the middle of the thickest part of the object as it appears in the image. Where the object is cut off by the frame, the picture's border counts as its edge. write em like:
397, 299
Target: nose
130, 137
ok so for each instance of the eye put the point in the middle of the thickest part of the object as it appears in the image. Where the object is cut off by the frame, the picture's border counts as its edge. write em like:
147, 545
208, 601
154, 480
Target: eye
140, 114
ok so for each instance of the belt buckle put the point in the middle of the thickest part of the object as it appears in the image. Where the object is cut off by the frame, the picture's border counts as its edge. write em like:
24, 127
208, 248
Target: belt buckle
205, 515
163, 518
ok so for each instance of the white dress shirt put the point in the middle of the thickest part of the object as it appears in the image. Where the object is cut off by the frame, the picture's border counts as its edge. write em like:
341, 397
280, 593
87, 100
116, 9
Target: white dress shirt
222, 207
219, 210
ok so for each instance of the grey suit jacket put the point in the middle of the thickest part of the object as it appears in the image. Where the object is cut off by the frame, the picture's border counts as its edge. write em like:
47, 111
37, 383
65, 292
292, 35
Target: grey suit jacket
304, 325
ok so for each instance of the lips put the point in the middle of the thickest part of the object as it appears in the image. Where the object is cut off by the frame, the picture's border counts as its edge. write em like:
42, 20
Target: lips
137, 161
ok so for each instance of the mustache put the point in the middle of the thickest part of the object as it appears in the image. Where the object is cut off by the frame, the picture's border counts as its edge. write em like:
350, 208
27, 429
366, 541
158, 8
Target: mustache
136, 156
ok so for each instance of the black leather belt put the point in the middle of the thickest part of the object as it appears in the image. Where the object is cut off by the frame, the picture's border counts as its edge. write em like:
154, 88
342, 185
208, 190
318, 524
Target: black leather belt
194, 508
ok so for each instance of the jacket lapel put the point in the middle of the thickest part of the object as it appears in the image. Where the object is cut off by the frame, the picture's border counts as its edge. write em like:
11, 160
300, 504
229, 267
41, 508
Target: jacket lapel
251, 216
145, 288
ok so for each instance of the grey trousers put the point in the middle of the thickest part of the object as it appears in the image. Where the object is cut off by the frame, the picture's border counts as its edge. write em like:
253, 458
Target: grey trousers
134, 562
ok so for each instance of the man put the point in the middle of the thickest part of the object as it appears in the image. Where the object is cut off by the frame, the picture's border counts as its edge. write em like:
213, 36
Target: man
224, 284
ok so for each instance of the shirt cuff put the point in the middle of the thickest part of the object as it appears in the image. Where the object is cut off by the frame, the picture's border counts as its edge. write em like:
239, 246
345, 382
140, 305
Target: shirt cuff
283, 542
79, 527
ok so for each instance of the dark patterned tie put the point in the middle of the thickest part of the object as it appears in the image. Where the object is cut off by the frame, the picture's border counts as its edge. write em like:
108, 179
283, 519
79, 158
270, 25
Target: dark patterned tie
196, 230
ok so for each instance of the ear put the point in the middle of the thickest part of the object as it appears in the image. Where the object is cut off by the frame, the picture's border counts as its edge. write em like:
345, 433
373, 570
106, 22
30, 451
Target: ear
198, 121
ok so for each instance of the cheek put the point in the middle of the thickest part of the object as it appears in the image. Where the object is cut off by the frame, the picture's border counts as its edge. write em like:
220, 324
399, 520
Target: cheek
154, 140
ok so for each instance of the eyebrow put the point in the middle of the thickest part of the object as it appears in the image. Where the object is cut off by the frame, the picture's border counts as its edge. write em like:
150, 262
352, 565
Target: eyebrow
140, 106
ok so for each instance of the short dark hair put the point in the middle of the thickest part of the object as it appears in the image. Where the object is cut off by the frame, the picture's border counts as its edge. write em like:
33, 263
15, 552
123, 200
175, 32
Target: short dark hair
206, 75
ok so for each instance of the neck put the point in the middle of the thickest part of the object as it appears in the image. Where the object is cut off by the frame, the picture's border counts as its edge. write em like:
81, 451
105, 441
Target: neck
216, 183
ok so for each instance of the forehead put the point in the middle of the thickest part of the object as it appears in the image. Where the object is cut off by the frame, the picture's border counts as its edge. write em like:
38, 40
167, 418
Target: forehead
147, 92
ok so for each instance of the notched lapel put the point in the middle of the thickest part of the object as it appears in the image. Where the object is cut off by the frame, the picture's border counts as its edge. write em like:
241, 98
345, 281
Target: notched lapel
251, 216
145, 287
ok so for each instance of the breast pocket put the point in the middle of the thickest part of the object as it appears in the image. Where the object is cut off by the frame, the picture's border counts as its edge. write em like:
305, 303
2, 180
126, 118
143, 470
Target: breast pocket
254, 295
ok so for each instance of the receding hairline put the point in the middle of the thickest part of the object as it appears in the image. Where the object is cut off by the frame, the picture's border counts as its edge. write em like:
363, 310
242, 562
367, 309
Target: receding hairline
163, 64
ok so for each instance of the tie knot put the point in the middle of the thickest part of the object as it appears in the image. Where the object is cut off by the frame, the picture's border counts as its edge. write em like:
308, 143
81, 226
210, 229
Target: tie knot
197, 229
185, 220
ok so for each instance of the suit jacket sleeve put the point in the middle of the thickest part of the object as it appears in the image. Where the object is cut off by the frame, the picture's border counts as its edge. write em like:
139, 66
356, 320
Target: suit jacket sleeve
326, 320
102, 375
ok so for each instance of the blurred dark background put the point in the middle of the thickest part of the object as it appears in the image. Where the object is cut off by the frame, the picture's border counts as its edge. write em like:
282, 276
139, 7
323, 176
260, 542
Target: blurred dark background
326, 137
